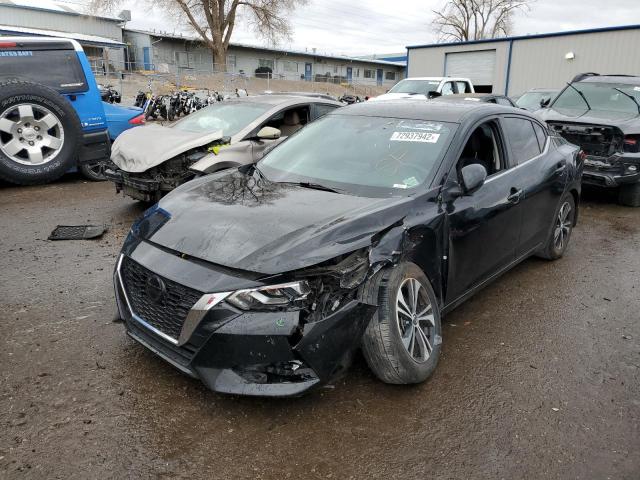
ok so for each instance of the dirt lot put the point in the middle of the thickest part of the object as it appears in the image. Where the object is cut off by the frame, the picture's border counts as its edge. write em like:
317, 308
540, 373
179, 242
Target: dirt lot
539, 378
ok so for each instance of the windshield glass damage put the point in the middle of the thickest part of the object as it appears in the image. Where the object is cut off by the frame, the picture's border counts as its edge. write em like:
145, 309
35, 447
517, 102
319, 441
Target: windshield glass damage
364, 156
230, 117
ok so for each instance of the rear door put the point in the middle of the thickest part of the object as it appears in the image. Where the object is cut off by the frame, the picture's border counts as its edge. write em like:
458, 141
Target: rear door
540, 176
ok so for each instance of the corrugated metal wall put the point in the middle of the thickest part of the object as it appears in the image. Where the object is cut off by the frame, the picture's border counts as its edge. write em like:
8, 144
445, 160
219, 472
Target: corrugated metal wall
541, 62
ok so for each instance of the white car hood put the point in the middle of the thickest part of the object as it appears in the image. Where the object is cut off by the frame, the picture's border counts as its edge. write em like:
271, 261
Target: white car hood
396, 96
139, 149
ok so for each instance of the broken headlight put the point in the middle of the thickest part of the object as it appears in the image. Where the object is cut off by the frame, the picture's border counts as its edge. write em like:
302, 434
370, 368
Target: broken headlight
271, 297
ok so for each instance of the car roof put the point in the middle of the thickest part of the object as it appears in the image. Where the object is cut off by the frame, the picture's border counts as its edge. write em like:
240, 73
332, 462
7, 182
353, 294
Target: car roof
462, 96
325, 96
454, 111
41, 40
436, 78
282, 100
531, 90
627, 79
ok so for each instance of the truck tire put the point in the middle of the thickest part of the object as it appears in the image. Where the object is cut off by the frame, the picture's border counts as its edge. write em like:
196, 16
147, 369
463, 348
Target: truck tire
629, 195
403, 340
40, 133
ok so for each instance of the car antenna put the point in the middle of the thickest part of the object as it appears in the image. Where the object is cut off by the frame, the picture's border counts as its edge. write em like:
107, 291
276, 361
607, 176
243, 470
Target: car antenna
581, 94
635, 100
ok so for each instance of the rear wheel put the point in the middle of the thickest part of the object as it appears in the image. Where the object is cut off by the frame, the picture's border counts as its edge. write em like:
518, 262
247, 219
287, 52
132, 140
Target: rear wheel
562, 227
39, 133
93, 171
403, 339
629, 195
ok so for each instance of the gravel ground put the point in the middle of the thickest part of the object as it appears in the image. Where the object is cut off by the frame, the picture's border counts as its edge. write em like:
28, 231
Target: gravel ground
539, 377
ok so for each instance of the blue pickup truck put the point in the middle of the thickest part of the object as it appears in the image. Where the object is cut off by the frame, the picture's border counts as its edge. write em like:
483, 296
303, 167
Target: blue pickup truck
52, 119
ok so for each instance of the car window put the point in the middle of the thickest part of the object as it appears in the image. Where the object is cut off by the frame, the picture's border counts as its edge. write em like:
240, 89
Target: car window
463, 87
228, 116
484, 147
57, 69
321, 109
541, 135
447, 88
289, 121
368, 156
522, 138
422, 87
615, 97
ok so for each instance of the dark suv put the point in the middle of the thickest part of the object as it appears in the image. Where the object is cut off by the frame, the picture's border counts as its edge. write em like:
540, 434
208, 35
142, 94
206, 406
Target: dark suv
601, 114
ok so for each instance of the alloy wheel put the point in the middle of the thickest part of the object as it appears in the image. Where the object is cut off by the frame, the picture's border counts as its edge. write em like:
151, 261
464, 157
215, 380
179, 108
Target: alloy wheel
415, 319
30, 134
564, 222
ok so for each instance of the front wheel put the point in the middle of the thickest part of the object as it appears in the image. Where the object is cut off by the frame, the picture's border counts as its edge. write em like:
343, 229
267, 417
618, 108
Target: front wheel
403, 339
93, 171
560, 234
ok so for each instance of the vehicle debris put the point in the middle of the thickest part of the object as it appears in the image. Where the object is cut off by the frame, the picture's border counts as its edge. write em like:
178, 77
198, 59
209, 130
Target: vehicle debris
77, 232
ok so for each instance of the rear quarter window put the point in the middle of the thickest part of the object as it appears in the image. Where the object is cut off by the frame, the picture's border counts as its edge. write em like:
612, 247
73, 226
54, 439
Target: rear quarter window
57, 69
522, 137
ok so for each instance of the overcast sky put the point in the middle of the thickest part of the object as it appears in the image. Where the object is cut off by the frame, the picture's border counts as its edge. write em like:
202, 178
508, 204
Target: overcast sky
364, 27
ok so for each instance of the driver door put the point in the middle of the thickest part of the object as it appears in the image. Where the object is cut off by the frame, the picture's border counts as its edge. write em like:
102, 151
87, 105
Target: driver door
484, 226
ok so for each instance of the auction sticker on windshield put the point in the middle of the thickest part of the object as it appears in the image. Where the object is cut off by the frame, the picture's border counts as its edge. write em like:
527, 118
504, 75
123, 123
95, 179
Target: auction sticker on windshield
415, 137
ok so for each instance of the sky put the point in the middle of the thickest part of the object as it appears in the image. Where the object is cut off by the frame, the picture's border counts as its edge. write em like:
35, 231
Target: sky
367, 27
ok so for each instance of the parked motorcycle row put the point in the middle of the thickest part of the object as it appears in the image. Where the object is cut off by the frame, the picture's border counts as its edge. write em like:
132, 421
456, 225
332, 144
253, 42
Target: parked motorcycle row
180, 102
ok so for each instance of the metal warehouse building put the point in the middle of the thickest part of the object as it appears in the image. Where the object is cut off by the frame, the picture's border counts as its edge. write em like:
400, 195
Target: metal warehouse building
513, 65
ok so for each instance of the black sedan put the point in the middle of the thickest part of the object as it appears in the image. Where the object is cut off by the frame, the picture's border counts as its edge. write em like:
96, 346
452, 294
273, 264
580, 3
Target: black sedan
361, 230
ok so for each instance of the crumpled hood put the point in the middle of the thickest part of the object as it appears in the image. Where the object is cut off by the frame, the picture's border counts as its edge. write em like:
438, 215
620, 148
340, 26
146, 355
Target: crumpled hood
140, 149
397, 96
269, 228
628, 123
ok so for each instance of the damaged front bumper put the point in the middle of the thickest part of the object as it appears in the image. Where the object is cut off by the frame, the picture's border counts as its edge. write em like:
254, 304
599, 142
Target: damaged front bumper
142, 186
265, 353
613, 171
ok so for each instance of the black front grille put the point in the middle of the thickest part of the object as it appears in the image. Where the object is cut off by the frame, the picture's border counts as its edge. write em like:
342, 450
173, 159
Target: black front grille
163, 308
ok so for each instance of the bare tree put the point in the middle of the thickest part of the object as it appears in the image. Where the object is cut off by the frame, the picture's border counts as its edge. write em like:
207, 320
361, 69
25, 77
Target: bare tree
214, 20
463, 20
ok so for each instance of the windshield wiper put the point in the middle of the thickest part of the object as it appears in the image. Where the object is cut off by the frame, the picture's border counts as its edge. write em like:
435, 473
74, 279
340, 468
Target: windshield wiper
581, 94
314, 186
635, 100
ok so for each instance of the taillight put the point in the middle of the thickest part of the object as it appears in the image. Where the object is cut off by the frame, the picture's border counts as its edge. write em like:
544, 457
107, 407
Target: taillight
632, 143
139, 120
582, 156
7, 44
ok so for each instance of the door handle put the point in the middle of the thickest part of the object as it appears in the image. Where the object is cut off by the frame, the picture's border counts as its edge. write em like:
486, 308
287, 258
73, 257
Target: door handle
514, 196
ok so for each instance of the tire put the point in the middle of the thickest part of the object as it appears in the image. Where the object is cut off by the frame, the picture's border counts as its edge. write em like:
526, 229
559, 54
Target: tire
39, 133
382, 343
629, 195
93, 171
560, 232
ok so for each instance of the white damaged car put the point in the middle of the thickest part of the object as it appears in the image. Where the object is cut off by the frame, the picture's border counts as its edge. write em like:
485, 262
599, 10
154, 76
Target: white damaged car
150, 161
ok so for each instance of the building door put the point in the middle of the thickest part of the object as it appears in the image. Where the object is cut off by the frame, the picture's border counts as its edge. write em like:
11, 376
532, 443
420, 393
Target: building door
379, 76
308, 71
477, 66
349, 74
146, 58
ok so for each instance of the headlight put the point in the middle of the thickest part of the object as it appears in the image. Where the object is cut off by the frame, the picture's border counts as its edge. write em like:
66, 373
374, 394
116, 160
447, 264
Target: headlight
270, 297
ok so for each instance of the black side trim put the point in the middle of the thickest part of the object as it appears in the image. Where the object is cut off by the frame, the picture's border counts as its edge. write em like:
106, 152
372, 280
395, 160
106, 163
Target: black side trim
96, 146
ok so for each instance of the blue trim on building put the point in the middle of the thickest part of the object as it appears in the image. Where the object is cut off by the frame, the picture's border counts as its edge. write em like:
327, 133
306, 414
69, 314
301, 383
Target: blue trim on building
508, 76
393, 59
527, 37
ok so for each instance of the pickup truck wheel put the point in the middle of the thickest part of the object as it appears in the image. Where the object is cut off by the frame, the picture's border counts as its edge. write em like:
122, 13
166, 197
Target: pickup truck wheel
39, 133
629, 195
403, 339
560, 234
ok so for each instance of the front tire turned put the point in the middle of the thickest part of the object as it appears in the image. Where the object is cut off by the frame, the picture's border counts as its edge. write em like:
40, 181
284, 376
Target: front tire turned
403, 339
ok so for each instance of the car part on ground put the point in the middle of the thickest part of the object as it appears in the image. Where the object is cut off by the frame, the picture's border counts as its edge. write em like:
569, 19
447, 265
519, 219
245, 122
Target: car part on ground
77, 232
601, 114
240, 279
226, 134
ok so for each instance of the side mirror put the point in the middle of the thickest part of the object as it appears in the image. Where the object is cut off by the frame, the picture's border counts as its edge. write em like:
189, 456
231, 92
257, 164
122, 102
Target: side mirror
269, 133
433, 94
473, 177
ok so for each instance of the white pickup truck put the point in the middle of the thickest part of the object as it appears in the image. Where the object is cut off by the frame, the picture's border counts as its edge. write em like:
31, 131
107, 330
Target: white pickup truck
422, 88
